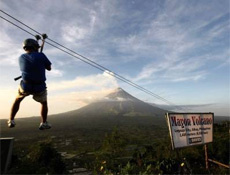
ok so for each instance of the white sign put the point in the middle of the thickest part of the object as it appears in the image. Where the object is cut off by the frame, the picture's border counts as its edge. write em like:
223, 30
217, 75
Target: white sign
188, 129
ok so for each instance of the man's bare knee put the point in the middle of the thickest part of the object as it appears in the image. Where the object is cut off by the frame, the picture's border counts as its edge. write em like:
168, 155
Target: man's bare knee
44, 103
44, 106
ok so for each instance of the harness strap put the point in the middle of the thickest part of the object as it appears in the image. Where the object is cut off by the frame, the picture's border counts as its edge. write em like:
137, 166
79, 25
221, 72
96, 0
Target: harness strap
33, 82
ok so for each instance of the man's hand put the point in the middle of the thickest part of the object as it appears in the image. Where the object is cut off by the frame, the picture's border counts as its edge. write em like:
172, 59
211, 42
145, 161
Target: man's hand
48, 68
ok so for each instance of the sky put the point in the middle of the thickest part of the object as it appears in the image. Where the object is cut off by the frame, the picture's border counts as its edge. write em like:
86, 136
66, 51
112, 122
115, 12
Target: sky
176, 49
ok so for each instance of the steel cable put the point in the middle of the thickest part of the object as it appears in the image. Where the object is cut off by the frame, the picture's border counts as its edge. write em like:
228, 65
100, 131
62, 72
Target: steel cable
87, 60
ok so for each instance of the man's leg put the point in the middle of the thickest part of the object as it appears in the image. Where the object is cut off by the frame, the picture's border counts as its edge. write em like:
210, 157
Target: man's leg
42, 98
44, 111
15, 107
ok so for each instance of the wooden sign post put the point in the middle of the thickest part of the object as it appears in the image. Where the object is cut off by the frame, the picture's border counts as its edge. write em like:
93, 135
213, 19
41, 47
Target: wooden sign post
206, 155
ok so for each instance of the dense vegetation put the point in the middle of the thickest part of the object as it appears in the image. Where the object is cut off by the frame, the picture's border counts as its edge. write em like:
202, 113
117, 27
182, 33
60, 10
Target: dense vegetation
40, 158
134, 148
158, 158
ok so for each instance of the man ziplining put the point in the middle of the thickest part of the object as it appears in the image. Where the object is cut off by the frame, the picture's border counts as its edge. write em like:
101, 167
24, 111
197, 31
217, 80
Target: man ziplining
33, 65
74, 54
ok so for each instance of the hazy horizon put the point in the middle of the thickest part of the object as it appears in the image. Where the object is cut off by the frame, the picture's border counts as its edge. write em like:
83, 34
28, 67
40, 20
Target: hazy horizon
179, 108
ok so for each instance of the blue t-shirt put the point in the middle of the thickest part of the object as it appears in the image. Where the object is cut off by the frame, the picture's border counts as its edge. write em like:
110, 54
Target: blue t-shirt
33, 67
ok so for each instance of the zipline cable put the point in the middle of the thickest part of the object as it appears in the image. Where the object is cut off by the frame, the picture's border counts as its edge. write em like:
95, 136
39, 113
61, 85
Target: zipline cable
97, 65
17, 26
88, 61
105, 69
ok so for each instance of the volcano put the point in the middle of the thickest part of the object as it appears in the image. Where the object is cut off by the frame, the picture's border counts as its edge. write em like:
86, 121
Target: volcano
120, 103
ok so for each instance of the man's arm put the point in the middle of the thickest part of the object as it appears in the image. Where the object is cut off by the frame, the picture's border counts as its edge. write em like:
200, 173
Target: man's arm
47, 62
48, 67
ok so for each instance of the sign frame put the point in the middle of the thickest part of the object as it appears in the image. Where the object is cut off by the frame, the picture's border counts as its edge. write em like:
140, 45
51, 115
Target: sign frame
167, 115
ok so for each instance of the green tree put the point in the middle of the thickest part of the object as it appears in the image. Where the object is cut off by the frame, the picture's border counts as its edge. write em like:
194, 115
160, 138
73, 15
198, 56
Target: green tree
112, 149
42, 158
114, 142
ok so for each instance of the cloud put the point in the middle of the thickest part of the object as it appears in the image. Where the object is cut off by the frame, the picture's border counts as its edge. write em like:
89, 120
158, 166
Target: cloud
176, 50
9, 58
55, 73
171, 70
75, 100
108, 73
62, 96
73, 33
219, 109
216, 26
9, 51
98, 81
73, 94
